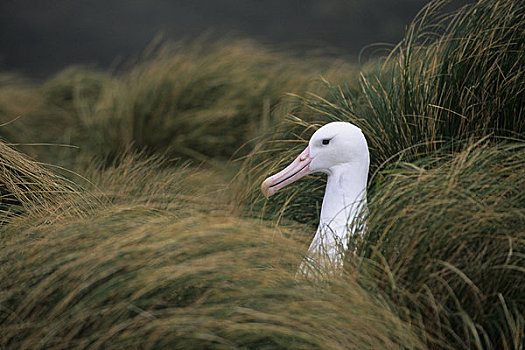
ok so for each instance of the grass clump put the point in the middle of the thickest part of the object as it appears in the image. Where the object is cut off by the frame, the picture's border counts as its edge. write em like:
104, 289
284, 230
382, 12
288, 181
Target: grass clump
161, 259
133, 277
199, 102
448, 243
453, 78
444, 237
465, 79
162, 262
28, 187
202, 101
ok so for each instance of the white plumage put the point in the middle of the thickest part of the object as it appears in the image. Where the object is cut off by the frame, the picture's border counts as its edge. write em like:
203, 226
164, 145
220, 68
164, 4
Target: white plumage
338, 149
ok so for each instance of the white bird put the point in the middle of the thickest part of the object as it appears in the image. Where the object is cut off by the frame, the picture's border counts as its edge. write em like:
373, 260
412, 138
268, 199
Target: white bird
338, 149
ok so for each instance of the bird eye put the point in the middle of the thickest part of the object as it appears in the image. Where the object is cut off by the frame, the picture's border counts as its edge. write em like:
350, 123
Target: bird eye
326, 141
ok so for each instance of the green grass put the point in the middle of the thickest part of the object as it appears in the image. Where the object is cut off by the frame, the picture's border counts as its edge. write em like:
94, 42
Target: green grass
446, 83
448, 243
446, 212
143, 234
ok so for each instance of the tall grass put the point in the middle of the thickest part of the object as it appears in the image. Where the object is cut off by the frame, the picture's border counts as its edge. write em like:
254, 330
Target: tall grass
448, 244
29, 187
154, 255
444, 236
201, 101
133, 276
453, 78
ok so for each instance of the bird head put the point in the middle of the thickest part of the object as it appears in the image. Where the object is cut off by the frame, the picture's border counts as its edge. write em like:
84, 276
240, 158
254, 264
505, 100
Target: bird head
334, 144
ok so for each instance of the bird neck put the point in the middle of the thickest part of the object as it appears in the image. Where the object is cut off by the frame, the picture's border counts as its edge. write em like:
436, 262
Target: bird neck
344, 198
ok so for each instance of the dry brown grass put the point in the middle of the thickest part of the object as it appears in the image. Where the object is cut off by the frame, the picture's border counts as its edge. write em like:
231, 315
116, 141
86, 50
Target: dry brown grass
133, 277
29, 187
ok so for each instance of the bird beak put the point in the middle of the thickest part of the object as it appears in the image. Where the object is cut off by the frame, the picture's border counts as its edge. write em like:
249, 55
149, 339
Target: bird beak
297, 169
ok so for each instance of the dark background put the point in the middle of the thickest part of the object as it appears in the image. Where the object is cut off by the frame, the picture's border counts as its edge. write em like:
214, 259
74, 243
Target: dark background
39, 37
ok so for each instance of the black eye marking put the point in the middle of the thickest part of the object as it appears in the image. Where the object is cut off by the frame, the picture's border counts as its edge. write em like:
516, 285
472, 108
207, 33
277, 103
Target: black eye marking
326, 141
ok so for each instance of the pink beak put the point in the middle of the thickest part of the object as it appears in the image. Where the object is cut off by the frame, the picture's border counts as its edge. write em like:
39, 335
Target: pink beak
297, 169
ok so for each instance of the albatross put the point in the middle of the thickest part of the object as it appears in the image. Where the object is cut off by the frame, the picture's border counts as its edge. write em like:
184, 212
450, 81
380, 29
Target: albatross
338, 149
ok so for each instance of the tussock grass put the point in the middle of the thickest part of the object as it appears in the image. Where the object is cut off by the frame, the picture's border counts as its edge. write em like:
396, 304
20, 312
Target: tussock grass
28, 187
445, 241
161, 262
45, 120
135, 179
133, 277
444, 235
201, 102
153, 254
448, 243
156, 183
453, 78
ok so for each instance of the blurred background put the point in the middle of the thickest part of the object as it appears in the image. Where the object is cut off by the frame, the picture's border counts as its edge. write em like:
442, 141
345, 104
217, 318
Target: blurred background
38, 38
